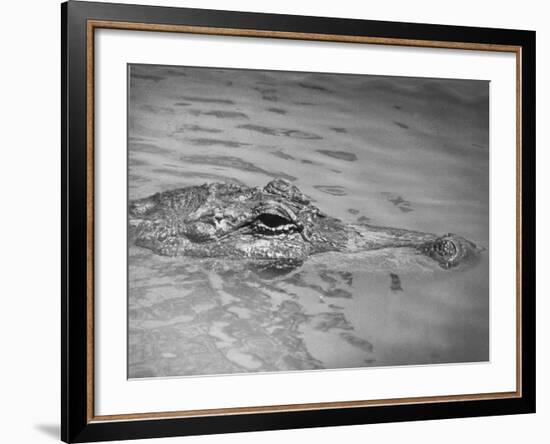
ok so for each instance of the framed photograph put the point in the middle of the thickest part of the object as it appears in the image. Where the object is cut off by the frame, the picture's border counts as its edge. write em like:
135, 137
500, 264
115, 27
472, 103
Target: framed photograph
276, 221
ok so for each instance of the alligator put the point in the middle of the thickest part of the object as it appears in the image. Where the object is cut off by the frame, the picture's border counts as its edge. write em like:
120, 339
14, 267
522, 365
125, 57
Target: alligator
274, 223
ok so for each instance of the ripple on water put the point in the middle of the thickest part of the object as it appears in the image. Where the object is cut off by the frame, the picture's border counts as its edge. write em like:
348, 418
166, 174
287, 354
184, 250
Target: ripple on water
314, 87
147, 148
196, 129
282, 155
204, 141
401, 125
268, 94
174, 72
292, 133
335, 190
219, 114
340, 155
154, 109
277, 111
177, 172
234, 162
402, 204
207, 100
331, 320
364, 220
150, 77
356, 341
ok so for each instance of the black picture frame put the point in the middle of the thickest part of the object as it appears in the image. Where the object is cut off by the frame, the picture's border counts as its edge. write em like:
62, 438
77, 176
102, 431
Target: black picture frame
77, 423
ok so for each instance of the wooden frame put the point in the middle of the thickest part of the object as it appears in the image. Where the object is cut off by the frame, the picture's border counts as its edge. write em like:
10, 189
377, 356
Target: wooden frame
79, 21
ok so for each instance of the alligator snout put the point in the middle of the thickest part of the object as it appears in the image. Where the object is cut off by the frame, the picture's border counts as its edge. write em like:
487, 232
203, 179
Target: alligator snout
451, 250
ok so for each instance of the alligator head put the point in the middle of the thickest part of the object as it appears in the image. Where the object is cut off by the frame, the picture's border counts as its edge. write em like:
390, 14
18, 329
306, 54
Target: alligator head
277, 222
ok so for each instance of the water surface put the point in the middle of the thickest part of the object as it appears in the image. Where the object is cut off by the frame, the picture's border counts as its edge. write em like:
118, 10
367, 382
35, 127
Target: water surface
399, 152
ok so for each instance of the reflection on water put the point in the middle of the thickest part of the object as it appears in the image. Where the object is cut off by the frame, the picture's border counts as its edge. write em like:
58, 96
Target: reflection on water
399, 152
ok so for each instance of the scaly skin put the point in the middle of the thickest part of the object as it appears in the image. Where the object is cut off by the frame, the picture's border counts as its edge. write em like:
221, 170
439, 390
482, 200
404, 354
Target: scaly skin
277, 222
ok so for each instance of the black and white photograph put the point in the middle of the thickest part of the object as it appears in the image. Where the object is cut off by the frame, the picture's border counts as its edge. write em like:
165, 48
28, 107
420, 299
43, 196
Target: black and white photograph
293, 221
263, 222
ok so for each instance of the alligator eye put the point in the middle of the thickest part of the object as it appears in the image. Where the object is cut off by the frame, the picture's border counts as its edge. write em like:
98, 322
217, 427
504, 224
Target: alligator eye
272, 220
269, 223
